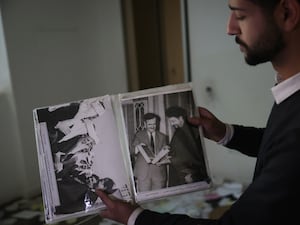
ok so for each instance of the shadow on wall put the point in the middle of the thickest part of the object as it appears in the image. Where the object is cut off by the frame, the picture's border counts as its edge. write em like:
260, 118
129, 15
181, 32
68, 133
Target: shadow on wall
11, 164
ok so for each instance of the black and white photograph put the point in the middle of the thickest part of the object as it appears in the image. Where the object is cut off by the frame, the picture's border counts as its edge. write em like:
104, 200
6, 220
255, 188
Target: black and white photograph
79, 143
165, 151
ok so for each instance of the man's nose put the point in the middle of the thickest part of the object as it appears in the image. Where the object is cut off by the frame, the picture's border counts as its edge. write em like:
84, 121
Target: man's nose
232, 25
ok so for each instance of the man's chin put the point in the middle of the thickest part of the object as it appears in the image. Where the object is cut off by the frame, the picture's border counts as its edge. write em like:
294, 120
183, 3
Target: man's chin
252, 62
242, 49
249, 62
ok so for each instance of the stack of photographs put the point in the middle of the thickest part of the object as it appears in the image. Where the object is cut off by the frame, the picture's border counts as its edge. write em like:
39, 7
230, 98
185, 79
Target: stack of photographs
135, 146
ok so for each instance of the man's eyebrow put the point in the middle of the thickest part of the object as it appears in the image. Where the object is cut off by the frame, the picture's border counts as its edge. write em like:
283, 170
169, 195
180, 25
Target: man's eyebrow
235, 8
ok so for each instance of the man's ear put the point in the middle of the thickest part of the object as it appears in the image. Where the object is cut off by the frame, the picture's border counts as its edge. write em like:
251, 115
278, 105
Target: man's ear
181, 118
288, 14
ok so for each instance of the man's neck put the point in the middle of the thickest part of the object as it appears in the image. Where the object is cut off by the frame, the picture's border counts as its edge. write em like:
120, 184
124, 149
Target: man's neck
286, 71
287, 63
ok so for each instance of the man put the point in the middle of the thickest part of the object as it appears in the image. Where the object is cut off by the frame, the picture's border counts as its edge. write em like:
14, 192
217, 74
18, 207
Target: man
150, 141
266, 30
187, 161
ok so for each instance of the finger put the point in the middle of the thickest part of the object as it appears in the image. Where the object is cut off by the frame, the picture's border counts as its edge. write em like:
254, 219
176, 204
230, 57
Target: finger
104, 197
204, 112
194, 121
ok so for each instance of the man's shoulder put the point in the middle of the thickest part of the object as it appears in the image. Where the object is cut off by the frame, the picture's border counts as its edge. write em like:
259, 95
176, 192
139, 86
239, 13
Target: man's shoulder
160, 134
141, 133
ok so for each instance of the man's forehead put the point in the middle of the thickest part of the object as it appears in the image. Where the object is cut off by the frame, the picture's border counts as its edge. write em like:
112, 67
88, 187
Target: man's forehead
174, 118
241, 5
151, 120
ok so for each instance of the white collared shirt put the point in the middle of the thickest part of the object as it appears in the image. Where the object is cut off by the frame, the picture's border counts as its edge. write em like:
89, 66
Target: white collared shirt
134, 215
286, 88
151, 134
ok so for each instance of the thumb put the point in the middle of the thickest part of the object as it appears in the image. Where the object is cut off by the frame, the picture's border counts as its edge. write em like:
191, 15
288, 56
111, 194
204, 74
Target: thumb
200, 119
195, 121
104, 197
105, 213
205, 113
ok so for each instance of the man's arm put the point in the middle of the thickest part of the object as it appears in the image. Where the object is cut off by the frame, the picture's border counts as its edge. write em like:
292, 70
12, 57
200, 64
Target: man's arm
148, 217
246, 140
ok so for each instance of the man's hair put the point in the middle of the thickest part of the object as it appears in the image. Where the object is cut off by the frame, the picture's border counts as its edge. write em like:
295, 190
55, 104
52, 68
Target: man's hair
149, 116
176, 111
267, 5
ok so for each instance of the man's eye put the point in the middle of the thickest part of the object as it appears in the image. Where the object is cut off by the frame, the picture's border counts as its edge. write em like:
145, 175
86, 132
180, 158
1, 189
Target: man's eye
240, 17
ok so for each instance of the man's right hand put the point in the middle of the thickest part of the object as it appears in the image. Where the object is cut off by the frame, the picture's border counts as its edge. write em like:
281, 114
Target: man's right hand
212, 127
116, 210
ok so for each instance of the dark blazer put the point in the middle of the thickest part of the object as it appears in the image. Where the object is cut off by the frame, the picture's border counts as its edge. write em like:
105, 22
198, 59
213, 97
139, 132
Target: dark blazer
187, 156
273, 195
141, 166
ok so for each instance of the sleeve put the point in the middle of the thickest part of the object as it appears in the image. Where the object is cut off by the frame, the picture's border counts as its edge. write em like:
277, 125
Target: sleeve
148, 217
228, 135
134, 215
135, 141
246, 140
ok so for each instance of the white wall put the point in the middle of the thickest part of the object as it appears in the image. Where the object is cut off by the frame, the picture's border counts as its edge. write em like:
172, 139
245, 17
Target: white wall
10, 151
240, 93
58, 51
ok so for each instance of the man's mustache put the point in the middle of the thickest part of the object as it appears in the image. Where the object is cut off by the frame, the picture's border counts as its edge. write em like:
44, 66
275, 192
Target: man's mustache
240, 42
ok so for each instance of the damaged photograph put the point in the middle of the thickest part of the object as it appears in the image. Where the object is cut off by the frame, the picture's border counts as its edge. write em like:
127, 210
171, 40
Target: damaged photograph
81, 146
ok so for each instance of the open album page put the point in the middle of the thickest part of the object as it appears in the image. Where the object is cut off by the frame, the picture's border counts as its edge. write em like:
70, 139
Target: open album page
79, 151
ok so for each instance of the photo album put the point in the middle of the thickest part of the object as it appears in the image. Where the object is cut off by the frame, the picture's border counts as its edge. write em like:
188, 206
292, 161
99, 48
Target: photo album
136, 146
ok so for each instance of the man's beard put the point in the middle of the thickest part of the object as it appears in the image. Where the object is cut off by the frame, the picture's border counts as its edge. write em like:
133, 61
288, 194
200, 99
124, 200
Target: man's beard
266, 48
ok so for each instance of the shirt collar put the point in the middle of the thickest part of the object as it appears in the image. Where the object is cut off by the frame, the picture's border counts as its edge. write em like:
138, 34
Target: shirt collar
286, 88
